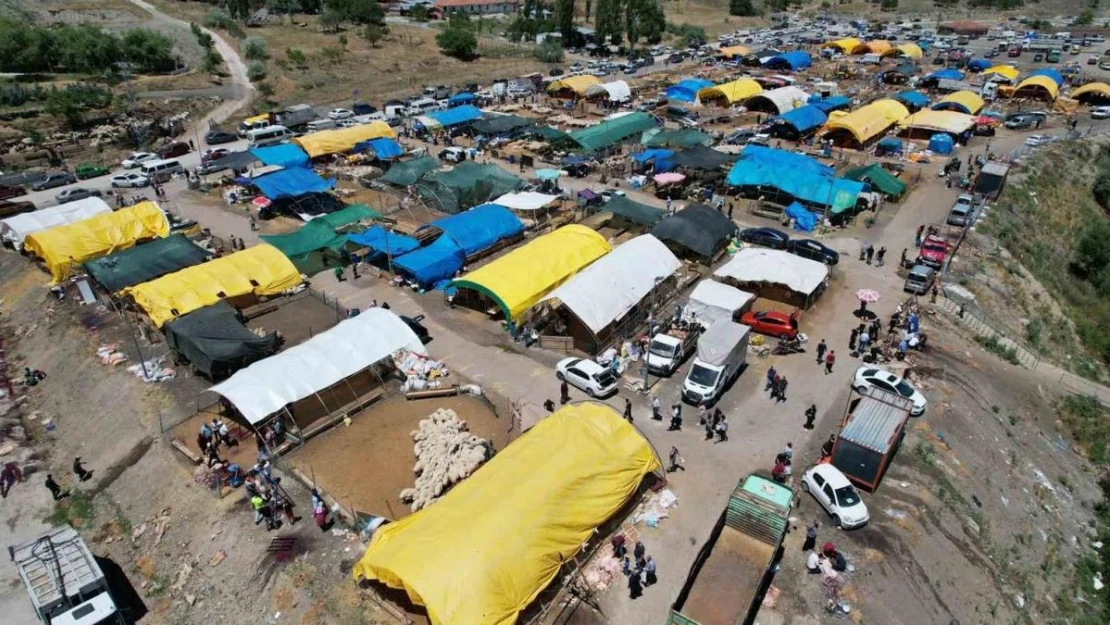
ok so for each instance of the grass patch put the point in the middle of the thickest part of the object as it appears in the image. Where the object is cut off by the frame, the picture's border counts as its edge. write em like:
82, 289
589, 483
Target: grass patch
994, 346
76, 510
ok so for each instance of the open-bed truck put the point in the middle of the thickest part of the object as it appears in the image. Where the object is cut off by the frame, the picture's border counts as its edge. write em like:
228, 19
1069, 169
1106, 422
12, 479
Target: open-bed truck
735, 567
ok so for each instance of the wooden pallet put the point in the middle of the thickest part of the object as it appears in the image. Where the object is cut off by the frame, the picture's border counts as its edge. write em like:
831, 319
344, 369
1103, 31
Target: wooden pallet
281, 547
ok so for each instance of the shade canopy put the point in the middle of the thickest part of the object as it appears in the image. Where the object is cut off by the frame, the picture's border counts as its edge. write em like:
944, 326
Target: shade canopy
943, 121
612, 131
732, 92
146, 262
711, 301
967, 102
871, 121
686, 90
428, 265
291, 183
465, 185
780, 100
760, 265
215, 342
1042, 86
525, 200
384, 148
804, 119
616, 91
794, 61
479, 228
1054, 74
409, 172
845, 45
1008, 72
284, 155
15, 229
633, 211
456, 116
796, 175
1093, 91
911, 98
577, 84
878, 178
342, 140
384, 242
498, 124
698, 228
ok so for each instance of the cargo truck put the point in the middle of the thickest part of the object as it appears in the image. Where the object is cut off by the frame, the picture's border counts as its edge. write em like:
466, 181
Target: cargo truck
732, 571
296, 116
722, 352
669, 349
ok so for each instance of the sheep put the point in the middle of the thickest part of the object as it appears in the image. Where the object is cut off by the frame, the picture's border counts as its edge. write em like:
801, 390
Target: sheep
446, 453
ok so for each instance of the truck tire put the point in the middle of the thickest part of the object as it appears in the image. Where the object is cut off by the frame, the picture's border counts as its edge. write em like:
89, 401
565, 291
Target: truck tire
805, 486
559, 376
836, 520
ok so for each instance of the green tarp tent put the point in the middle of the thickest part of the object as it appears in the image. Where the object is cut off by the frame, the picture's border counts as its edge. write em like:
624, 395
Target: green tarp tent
550, 133
405, 173
499, 124
675, 138
214, 341
316, 245
146, 262
633, 211
466, 185
612, 131
879, 178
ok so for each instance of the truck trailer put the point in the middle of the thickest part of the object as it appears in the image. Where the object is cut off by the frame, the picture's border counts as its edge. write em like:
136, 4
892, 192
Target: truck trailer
722, 352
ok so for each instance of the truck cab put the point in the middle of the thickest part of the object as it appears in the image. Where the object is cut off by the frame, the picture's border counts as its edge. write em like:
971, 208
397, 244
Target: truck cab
722, 353
64, 581
667, 350
920, 279
934, 251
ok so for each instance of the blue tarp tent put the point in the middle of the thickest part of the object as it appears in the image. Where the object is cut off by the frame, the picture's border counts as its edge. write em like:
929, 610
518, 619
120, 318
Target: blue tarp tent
796, 175
912, 99
286, 155
1051, 73
978, 65
459, 115
659, 158
291, 183
804, 119
941, 143
944, 74
460, 98
687, 90
833, 103
889, 145
479, 228
384, 148
428, 265
794, 60
803, 219
382, 242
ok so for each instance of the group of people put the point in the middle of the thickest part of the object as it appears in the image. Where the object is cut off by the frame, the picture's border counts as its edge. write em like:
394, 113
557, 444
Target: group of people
52, 485
867, 253
715, 423
639, 568
776, 383
212, 434
783, 462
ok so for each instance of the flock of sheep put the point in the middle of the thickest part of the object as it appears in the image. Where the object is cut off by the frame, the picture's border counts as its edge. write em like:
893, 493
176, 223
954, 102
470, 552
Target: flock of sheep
446, 453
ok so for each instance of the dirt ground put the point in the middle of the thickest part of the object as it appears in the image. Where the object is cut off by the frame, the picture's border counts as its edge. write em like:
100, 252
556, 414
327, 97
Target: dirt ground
366, 465
298, 318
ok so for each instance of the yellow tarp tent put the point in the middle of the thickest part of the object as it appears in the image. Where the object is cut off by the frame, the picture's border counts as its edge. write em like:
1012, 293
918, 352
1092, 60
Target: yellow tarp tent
577, 84
518, 280
342, 139
908, 50
731, 92
65, 247
732, 52
941, 121
1037, 85
844, 45
487, 548
867, 122
1009, 72
262, 270
1093, 90
963, 101
878, 46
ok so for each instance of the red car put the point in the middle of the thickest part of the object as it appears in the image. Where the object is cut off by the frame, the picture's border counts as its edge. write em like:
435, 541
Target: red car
8, 192
933, 251
173, 149
773, 322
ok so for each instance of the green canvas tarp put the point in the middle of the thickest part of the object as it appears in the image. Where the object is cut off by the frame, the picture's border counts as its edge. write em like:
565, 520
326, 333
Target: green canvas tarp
675, 139
405, 173
633, 211
550, 133
214, 341
612, 131
316, 245
466, 185
146, 262
500, 124
878, 177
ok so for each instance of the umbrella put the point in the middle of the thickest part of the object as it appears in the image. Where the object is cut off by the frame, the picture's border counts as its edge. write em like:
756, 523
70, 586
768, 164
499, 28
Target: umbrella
867, 295
261, 202
548, 174
669, 178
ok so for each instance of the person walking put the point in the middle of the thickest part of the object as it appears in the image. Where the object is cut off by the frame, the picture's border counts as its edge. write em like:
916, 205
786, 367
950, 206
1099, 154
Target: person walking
782, 389
257, 503
635, 588
811, 536
628, 409
709, 424
864, 340
253, 223
676, 460
722, 429
656, 409
903, 262
770, 378
676, 418
870, 253
879, 256
811, 414
55, 490
775, 388
638, 553
649, 572
564, 393
830, 360
8, 477
80, 471
917, 237
863, 249
852, 339
821, 348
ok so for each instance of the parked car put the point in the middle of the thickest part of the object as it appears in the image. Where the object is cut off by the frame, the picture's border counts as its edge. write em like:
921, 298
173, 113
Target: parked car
86, 171
52, 181
174, 149
961, 211
138, 158
767, 237
74, 194
739, 137
555, 71
213, 154
10, 191
1100, 112
837, 496
609, 194
813, 250
1038, 57
129, 181
1016, 123
773, 322
11, 209
576, 66
338, 114
1037, 140
453, 155
587, 375
873, 377
216, 137
1105, 65
414, 324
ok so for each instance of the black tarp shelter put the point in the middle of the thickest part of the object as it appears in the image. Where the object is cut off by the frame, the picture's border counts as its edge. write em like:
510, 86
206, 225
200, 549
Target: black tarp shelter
700, 229
215, 342
146, 262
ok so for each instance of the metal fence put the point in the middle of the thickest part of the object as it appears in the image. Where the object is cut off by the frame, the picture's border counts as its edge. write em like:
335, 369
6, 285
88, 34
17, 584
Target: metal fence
982, 327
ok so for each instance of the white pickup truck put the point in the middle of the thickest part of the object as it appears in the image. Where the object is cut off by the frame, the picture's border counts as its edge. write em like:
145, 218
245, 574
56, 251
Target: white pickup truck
668, 350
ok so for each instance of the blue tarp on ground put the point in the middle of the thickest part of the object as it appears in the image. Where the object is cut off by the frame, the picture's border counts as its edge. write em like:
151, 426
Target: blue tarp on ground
941, 143
944, 74
286, 155
382, 242
805, 118
460, 98
479, 228
459, 115
912, 99
1051, 73
834, 103
978, 65
794, 174
793, 61
384, 148
428, 265
291, 183
687, 90
803, 219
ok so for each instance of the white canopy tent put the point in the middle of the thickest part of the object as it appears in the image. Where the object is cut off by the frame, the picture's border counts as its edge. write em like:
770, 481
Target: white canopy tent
268, 385
15, 229
525, 200
775, 267
617, 91
606, 290
785, 99
711, 301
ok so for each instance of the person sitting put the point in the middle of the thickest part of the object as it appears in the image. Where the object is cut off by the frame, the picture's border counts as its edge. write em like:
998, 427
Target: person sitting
32, 377
781, 471
813, 562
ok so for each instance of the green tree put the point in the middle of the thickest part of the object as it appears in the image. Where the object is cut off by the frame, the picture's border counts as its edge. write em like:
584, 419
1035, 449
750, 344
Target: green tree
1085, 18
632, 12
564, 18
419, 13
457, 38
1092, 254
743, 8
296, 57
254, 48
72, 103
256, 70
889, 5
550, 51
239, 9
204, 39
1101, 191
607, 24
653, 22
151, 51
211, 62
331, 20
374, 33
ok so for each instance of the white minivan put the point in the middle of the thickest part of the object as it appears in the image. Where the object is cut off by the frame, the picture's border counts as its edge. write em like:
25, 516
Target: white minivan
161, 170
422, 106
270, 135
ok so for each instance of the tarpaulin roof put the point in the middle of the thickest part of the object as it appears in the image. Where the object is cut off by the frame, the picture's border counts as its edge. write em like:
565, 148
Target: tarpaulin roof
804, 220
612, 131
733, 92
796, 175
383, 148
804, 118
479, 228
633, 211
342, 139
578, 84
525, 200
517, 280
963, 101
261, 270
616, 91
215, 342
1093, 89
241, 159
1008, 71
719, 340
733, 51
319, 234
686, 90
943, 121
878, 177
146, 262
870, 121
486, 549
1054, 74
658, 138
652, 154
699, 228
405, 173
466, 184
284, 155
1034, 83
548, 132
64, 248
877, 46
782, 99
292, 182
831, 103
457, 115
15, 229
941, 143
269, 385
978, 65
944, 74
756, 264
844, 45
606, 290
793, 60
432, 263
701, 157
711, 301
384, 242
910, 50
912, 98
460, 98
500, 123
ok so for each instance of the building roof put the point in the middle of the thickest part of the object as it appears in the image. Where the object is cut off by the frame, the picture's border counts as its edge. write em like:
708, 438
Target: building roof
877, 419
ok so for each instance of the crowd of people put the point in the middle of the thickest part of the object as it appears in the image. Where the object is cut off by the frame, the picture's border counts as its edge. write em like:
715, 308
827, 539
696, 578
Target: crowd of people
639, 567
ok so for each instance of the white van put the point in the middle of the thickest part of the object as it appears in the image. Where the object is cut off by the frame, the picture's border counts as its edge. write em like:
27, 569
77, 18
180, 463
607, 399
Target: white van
422, 106
317, 125
270, 135
162, 169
